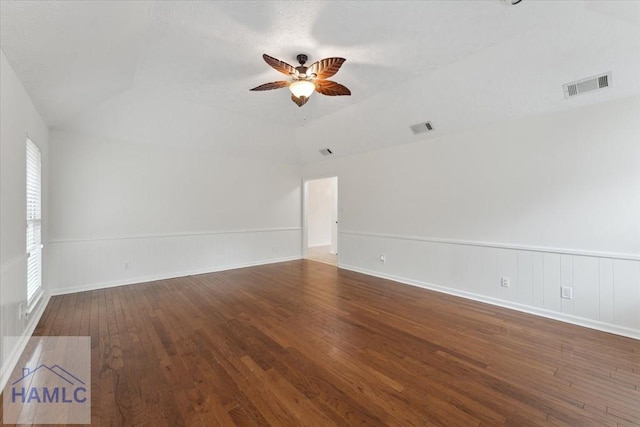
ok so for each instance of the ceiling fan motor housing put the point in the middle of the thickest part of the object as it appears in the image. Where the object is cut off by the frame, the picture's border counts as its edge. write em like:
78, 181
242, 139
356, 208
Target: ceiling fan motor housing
302, 71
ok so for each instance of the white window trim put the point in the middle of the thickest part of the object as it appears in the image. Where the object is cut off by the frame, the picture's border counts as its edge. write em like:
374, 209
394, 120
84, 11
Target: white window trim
34, 245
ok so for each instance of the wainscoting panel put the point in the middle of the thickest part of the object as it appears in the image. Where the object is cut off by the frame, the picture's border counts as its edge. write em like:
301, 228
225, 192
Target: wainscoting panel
78, 265
16, 326
606, 289
605, 280
13, 277
626, 307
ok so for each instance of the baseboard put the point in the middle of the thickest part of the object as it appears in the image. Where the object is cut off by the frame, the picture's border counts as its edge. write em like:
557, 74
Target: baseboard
144, 279
567, 318
11, 361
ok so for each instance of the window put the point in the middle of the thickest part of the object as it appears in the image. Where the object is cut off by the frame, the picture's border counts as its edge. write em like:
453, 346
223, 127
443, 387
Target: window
34, 225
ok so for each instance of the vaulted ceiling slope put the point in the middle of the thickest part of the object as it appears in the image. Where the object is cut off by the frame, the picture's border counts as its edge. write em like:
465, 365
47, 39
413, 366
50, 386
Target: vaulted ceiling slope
179, 72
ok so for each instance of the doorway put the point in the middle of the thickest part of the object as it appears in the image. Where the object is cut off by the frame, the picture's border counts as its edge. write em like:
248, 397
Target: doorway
320, 241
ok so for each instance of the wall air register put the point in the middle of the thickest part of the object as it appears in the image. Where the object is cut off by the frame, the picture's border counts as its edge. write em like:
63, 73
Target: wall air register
591, 84
419, 128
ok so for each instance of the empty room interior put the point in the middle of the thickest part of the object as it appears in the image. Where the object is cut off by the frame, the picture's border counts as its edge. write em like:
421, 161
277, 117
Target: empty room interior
319, 213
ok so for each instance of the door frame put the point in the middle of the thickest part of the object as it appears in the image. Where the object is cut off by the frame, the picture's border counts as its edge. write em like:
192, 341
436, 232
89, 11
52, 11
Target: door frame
305, 224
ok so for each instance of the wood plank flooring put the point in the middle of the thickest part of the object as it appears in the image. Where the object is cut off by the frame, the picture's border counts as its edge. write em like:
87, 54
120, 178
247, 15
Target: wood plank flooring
322, 254
305, 344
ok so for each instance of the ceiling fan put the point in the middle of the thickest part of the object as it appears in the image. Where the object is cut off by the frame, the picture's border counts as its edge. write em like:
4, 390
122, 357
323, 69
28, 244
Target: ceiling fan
306, 79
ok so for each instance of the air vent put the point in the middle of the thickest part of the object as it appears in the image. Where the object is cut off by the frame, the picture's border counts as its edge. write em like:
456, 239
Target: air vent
419, 128
325, 151
587, 85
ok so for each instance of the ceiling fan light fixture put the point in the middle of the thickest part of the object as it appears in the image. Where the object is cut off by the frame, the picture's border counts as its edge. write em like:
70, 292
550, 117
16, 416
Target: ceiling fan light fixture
306, 80
300, 88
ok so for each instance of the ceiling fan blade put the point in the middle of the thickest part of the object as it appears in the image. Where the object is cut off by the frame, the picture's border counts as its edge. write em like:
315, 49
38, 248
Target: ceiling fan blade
299, 101
325, 67
278, 65
272, 85
327, 87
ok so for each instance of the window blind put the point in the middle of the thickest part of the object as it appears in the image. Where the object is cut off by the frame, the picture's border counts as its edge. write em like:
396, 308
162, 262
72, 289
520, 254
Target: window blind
34, 224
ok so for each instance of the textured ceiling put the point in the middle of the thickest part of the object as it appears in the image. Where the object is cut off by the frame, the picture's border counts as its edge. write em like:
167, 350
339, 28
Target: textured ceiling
179, 73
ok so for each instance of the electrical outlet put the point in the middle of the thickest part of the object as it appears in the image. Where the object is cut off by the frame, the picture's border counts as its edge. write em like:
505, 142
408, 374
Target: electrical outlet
382, 259
126, 265
566, 292
505, 282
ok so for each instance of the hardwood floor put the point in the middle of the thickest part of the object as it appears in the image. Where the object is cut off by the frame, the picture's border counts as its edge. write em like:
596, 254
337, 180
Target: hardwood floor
304, 343
322, 254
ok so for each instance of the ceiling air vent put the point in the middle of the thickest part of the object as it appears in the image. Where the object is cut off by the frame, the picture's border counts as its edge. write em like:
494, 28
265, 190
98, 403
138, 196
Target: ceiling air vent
419, 128
325, 151
601, 81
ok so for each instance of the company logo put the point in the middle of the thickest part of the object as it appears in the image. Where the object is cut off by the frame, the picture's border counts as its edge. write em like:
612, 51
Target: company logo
71, 390
51, 383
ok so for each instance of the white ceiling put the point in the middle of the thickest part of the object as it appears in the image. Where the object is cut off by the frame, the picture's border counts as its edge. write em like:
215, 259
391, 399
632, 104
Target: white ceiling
179, 73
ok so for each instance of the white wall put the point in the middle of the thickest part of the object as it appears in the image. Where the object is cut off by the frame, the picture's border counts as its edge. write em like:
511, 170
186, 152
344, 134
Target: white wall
18, 117
547, 200
320, 211
127, 212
